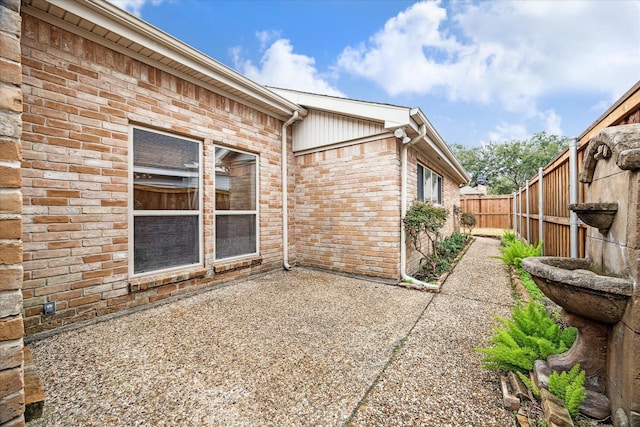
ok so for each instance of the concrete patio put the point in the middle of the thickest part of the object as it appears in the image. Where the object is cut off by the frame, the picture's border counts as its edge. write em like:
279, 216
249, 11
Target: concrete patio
289, 348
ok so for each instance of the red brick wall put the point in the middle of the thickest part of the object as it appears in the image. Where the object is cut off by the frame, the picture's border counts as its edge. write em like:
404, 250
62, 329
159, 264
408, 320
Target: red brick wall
11, 326
80, 99
347, 209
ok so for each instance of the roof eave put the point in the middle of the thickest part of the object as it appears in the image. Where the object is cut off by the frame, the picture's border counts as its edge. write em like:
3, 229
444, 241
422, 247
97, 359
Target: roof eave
114, 19
433, 139
392, 116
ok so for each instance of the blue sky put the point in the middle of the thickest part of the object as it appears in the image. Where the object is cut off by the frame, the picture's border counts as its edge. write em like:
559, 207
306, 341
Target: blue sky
481, 71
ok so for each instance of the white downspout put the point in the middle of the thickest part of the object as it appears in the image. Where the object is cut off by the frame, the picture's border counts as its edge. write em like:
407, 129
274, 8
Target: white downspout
285, 191
403, 211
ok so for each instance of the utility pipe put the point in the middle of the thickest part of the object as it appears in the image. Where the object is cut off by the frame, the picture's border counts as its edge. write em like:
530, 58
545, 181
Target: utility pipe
403, 211
528, 213
573, 197
285, 191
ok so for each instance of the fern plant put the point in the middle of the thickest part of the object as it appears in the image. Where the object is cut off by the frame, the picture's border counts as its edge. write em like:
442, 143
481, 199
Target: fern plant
514, 252
508, 237
530, 385
569, 387
530, 285
530, 334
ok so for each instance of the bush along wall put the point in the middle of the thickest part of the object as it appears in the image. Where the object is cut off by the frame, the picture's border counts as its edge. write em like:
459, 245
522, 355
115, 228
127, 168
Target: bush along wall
422, 220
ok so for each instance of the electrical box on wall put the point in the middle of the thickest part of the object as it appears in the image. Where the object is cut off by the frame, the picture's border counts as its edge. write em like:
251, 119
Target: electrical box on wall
49, 307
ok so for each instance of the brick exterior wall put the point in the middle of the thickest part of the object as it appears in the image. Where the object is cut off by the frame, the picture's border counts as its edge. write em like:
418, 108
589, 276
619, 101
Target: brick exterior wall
80, 100
347, 209
12, 401
450, 197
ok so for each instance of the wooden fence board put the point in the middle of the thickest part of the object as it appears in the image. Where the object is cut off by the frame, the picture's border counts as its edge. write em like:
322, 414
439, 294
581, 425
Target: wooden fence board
498, 211
490, 211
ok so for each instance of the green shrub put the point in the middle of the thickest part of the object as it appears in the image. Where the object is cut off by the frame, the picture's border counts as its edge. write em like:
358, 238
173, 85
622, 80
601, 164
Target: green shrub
468, 221
451, 246
424, 219
530, 335
440, 261
569, 386
530, 285
517, 250
508, 237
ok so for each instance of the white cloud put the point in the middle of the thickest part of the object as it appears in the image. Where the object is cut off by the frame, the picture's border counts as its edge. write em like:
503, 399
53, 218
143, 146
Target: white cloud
508, 53
134, 6
547, 120
551, 122
281, 67
508, 132
265, 37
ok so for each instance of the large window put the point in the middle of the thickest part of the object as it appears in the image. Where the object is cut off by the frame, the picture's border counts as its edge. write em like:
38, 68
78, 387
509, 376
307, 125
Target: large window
236, 211
429, 185
166, 202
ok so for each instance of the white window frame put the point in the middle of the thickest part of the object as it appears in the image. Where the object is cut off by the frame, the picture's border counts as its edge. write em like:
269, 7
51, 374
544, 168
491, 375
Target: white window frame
133, 212
426, 171
222, 212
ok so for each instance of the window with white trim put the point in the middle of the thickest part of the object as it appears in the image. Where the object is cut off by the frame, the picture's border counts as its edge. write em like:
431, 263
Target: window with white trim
236, 210
429, 185
166, 201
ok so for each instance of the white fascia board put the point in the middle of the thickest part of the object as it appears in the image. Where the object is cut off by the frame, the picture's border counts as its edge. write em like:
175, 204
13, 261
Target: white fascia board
436, 142
392, 116
108, 16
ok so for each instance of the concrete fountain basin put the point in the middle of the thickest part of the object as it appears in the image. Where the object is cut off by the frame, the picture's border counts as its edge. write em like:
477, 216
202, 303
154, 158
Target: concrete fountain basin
579, 287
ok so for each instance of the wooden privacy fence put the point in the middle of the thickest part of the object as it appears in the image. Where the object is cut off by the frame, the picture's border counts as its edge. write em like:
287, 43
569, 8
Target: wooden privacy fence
490, 211
540, 208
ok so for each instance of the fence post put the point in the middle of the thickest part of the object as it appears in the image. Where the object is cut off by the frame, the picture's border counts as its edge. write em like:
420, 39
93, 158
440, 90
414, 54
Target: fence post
520, 210
573, 197
515, 214
528, 213
540, 209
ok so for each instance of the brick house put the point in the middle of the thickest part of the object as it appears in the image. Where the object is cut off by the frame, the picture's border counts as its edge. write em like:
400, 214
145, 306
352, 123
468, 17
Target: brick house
357, 164
134, 169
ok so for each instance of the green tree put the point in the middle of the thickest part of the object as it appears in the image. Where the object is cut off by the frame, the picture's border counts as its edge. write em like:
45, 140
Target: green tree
507, 165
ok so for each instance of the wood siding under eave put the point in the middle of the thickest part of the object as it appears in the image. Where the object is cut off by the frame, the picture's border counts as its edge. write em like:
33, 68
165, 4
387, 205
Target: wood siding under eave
320, 129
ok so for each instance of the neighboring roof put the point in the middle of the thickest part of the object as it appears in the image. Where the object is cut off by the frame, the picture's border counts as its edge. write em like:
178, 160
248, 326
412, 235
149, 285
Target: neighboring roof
470, 191
392, 116
626, 104
106, 24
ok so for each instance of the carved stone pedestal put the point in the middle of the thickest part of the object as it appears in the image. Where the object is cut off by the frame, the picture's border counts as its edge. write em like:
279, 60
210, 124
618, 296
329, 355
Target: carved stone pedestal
589, 350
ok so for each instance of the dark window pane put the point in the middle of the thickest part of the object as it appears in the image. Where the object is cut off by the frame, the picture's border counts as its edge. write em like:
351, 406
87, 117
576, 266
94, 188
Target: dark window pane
165, 241
420, 183
235, 235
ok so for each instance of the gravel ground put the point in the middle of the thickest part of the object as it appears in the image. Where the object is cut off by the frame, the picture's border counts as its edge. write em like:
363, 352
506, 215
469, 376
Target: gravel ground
289, 349
436, 379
